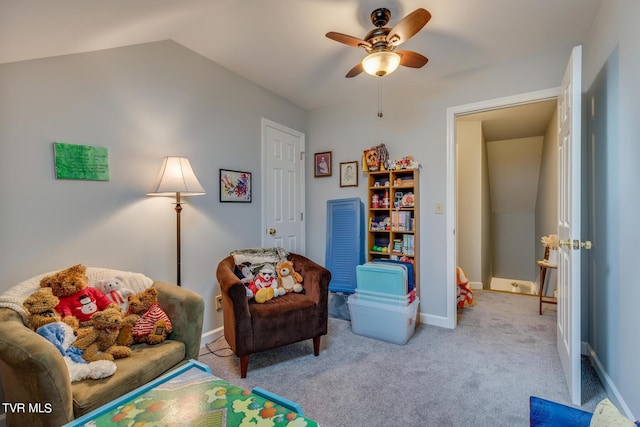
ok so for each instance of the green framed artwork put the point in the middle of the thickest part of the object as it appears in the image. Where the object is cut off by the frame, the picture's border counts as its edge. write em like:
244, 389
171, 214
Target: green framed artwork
84, 162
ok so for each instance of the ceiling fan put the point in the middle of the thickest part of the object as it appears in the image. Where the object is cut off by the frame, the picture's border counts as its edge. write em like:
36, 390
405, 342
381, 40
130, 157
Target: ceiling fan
381, 42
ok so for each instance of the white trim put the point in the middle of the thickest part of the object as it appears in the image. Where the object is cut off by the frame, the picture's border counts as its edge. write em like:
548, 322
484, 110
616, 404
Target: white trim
606, 381
263, 133
212, 335
475, 285
451, 318
430, 319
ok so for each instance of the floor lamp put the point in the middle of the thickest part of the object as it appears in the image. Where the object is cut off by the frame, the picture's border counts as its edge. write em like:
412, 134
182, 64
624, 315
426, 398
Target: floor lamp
177, 177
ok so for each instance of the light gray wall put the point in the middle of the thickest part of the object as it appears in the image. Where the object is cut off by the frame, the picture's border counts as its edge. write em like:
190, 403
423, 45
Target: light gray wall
142, 103
469, 150
611, 68
414, 123
485, 223
547, 197
514, 168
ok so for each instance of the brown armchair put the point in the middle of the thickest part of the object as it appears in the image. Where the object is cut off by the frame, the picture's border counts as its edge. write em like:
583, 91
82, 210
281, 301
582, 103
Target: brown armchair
250, 327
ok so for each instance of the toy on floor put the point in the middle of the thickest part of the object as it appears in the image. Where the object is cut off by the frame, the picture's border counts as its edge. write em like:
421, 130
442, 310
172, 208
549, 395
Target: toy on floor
465, 294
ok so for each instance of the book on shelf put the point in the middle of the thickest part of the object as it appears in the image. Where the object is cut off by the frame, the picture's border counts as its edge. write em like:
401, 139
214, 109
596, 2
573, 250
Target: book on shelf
401, 221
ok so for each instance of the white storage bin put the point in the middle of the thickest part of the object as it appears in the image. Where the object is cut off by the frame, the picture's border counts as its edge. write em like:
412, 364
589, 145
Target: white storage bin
385, 322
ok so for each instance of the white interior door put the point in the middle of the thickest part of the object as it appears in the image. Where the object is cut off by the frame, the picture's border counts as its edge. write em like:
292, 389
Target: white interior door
282, 187
569, 162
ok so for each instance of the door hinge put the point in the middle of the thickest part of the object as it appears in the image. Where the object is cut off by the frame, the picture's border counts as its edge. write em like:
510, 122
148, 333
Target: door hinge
301, 216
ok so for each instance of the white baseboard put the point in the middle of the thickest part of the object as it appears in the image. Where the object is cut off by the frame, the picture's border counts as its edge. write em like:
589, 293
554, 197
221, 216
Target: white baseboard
440, 321
475, 285
211, 336
607, 382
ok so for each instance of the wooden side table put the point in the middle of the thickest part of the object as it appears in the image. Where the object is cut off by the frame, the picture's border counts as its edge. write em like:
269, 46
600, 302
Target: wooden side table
544, 266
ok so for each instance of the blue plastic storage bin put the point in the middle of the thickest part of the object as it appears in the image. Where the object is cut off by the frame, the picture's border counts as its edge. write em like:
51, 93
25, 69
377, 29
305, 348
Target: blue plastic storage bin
382, 278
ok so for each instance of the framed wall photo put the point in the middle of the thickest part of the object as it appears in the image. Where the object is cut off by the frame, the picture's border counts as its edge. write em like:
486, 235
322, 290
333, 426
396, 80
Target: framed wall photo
235, 186
349, 174
322, 163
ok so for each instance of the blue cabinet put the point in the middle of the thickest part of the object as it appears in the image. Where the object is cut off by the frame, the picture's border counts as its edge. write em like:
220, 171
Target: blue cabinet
345, 242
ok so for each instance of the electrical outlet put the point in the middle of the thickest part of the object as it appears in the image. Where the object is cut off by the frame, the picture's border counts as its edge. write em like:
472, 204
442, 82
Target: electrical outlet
218, 302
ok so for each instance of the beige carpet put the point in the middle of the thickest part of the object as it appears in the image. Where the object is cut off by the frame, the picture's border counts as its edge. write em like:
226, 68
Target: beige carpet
480, 374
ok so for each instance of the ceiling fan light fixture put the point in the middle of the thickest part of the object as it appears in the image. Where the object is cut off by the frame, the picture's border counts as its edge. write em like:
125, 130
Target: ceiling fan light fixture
381, 63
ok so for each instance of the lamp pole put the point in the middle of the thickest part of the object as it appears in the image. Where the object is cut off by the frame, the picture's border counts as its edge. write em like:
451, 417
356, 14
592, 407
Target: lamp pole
178, 210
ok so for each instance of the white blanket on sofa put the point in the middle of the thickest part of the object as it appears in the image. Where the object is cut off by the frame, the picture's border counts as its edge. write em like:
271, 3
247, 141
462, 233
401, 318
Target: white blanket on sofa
14, 297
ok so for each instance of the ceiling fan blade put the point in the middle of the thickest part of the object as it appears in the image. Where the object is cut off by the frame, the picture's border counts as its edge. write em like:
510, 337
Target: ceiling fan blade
348, 40
411, 59
355, 71
408, 26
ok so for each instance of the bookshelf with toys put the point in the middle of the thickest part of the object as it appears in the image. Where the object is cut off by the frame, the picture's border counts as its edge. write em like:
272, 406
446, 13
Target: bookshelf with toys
393, 208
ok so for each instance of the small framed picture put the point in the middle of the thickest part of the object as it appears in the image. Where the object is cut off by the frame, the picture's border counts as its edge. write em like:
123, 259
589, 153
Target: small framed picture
322, 162
349, 174
235, 186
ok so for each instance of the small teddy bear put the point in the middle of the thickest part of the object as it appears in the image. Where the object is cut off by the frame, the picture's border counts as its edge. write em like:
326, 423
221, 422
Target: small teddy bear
113, 288
76, 298
101, 342
40, 307
148, 322
288, 279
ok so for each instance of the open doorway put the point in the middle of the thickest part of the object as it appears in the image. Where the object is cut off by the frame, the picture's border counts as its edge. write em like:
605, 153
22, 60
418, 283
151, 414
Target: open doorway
453, 114
506, 193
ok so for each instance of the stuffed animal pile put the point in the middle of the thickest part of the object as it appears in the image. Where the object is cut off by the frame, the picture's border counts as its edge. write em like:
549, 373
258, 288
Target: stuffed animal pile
47, 322
89, 326
268, 283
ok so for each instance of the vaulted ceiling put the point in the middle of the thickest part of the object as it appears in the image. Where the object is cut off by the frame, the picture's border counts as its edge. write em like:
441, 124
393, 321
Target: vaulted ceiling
281, 44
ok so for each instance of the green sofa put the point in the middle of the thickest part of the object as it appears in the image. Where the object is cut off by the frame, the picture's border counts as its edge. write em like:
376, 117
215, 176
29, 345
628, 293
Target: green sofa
33, 372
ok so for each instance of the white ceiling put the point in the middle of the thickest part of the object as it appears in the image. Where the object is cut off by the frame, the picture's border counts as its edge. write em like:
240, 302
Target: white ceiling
280, 44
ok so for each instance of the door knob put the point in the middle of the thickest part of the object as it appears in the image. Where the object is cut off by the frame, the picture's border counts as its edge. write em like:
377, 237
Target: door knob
271, 231
566, 243
576, 244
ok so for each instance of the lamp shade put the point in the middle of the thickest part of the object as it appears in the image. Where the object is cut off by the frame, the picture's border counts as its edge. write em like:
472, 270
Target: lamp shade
176, 176
381, 63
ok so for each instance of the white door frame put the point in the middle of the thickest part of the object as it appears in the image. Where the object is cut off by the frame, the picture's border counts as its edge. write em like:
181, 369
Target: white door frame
450, 321
266, 192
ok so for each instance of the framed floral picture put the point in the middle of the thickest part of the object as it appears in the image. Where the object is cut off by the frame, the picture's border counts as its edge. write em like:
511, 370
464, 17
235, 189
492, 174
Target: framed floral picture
235, 186
322, 163
349, 174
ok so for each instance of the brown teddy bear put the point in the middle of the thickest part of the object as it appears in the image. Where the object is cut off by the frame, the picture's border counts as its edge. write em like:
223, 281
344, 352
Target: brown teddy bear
76, 298
288, 279
40, 307
101, 342
145, 322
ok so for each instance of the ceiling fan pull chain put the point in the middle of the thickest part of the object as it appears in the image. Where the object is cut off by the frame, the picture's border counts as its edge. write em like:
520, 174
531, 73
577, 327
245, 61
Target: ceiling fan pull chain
379, 99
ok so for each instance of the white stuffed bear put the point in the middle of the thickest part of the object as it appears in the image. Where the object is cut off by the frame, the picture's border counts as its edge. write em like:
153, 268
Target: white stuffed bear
114, 289
62, 337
